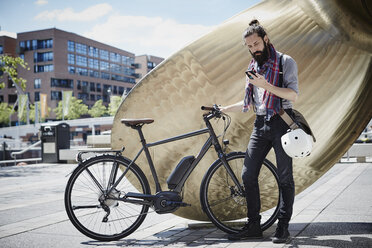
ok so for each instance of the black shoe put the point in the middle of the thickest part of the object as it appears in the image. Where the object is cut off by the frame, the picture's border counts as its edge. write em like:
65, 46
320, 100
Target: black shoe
281, 234
251, 230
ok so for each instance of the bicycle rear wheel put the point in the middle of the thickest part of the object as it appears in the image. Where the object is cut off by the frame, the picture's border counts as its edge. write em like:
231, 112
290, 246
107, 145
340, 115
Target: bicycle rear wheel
99, 217
226, 207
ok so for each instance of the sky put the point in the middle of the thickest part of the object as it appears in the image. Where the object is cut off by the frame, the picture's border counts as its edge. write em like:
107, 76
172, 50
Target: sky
158, 28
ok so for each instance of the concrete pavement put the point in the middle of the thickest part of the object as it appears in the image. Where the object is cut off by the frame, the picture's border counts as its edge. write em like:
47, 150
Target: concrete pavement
336, 211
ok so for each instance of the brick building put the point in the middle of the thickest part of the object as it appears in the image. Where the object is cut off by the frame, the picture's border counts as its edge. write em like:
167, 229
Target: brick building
145, 63
63, 61
8, 47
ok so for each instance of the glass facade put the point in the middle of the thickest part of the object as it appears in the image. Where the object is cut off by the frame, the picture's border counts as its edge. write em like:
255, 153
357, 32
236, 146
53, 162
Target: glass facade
101, 63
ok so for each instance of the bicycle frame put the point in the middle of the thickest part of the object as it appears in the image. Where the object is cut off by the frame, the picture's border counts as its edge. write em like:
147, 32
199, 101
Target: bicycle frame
212, 140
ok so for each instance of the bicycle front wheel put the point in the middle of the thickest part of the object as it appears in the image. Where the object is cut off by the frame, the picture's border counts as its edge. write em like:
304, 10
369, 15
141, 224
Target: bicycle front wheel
226, 207
95, 213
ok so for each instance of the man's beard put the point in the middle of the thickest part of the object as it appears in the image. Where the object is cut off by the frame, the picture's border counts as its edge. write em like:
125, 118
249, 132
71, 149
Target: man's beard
261, 56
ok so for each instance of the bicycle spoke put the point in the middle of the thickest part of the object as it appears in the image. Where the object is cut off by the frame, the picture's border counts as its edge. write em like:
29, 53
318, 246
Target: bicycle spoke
95, 208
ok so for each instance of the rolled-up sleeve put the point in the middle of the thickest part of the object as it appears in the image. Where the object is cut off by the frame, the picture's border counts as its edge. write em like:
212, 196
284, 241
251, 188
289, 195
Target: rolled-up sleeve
290, 73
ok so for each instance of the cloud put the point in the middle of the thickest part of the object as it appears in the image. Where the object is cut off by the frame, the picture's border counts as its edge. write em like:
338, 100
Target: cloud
68, 14
41, 2
146, 35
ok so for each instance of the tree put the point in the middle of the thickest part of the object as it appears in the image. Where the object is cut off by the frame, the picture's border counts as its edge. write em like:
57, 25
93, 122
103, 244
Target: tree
32, 114
5, 112
9, 65
115, 102
98, 109
76, 109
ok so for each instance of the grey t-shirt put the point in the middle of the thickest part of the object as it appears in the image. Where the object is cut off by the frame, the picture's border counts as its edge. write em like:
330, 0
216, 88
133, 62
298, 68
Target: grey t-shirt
290, 80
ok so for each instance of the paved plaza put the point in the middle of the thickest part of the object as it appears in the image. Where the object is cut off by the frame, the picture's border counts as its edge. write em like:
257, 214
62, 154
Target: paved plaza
336, 211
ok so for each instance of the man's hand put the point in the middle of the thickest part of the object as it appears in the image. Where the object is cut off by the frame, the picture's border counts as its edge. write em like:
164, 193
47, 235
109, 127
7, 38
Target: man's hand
259, 81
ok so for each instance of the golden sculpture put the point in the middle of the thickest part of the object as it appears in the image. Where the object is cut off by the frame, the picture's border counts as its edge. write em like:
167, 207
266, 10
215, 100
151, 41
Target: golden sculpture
331, 42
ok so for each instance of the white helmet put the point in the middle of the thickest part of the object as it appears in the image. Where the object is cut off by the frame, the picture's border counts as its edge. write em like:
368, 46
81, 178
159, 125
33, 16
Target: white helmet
296, 143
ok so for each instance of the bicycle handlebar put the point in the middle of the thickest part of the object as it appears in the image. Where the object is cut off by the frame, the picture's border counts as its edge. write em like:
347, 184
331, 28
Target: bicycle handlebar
214, 111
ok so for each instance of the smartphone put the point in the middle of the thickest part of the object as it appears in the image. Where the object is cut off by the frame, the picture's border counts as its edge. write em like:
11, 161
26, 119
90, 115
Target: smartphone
249, 74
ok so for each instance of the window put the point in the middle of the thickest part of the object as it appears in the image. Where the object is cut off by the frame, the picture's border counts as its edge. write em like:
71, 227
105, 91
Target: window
93, 63
98, 97
127, 60
71, 69
81, 48
37, 96
1, 98
43, 68
98, 87
37, 83
121, 90
104, 54
115, 68
1, 50
104, 66
128, 71
79, 85
92, 87
34, 45
94, 74
115, 89
115, 57
81, 60
56, 95
28, 45
105, 75
150, 65
22, 45
93, 52
83, 96
41, 44
12, 98
71, 46
82, 71
71, 58
63, 83
42, 57
107, 88
92, 97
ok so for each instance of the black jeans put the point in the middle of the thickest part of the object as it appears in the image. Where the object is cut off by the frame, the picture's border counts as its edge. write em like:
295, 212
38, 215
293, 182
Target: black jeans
266, 135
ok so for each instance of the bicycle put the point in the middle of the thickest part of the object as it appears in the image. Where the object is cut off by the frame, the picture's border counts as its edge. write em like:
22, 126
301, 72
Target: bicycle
107, 197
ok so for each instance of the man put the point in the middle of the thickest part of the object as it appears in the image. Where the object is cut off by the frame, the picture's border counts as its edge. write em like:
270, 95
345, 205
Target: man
262, 92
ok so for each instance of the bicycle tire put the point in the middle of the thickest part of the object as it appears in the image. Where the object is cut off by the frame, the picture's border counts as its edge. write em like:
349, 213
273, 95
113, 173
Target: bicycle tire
227, 209
82, 196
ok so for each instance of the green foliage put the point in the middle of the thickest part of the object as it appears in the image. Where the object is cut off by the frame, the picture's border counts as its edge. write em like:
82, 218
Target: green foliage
9, 65
98, 109
5, 111
77, 108
115, 102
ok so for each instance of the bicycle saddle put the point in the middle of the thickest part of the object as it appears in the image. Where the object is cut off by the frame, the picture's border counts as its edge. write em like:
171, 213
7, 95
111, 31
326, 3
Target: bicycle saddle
135, 122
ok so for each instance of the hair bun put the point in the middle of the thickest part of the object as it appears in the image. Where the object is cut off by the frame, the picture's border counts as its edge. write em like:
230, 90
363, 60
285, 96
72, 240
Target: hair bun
254, 22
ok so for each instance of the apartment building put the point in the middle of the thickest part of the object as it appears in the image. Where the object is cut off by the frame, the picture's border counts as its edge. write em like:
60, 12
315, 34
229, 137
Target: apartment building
144, 64
8, 47
63, 61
